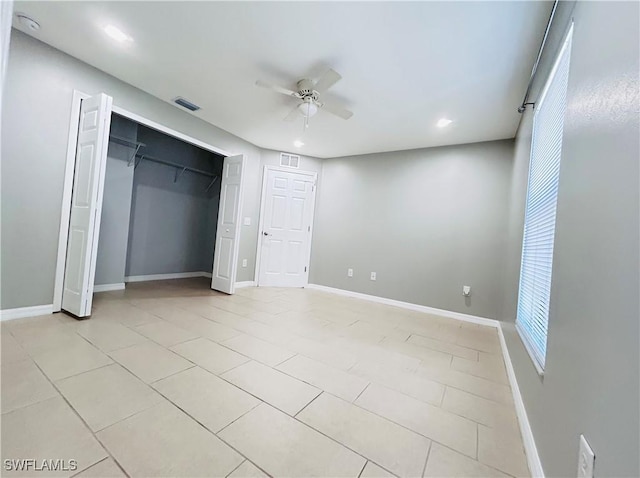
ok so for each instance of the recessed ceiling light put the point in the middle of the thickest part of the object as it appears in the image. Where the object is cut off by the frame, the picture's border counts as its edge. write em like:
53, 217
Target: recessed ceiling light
117, 34
442, 122
298, 144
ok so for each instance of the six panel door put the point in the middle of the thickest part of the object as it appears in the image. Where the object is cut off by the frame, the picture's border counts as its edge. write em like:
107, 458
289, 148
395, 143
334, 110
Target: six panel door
286, 229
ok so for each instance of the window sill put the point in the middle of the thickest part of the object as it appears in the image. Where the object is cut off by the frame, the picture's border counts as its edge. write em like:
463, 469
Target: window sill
525, 342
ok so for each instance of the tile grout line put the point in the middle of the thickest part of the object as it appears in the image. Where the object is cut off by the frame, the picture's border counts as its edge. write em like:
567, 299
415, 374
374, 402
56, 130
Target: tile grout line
312, 400
241, 463
363, 390
193, 365
426, 460
363, 467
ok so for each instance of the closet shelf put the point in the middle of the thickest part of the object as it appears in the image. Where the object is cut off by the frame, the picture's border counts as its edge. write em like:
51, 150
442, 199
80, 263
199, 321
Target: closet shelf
180, 169
127, 142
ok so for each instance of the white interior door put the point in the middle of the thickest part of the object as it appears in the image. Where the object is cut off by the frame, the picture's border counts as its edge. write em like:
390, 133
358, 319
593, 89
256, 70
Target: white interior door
86, 204
225, 257
286, 229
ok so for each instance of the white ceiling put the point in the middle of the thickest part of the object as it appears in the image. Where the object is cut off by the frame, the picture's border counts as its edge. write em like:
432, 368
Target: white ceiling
404, 65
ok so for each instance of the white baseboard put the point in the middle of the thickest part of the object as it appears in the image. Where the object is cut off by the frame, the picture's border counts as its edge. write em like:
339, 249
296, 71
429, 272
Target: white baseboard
22, 312
246, 283
408, 305
176, 275
528, 441
108, 287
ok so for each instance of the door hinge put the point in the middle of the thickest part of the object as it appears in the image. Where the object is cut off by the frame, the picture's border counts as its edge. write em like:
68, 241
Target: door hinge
305, 268
309, 228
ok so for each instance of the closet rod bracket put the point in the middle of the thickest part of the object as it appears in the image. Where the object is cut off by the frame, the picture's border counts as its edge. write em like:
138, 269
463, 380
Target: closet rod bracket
133, 156
211, 183
179, 172
136, 164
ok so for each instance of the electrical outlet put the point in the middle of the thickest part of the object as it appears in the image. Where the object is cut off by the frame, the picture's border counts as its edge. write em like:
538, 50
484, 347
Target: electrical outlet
373, 276
586, 459
349, 272
466, 290
244, 263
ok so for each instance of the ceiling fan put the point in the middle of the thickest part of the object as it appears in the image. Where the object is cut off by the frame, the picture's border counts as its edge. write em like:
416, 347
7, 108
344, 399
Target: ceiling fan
308, 95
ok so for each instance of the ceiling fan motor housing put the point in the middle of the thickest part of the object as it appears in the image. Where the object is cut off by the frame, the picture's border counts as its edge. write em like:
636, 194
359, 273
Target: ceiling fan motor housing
305, 90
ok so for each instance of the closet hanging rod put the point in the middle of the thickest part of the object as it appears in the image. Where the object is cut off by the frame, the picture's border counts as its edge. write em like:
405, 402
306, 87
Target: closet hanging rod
170, 163
127, 142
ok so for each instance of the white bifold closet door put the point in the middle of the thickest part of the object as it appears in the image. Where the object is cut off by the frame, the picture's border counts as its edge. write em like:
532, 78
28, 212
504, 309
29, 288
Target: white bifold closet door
225, 257
86, 204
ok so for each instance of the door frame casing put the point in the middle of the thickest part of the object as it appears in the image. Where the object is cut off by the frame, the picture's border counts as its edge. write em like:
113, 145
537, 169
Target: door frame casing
265, 174
67, 189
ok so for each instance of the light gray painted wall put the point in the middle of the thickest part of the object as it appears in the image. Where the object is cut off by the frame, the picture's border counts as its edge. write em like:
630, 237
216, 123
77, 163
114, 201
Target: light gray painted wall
35, 116
426, 221
173, 224
591, 382
116, 206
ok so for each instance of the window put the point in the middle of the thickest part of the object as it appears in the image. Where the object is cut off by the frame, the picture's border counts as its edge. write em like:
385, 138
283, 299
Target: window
540, 212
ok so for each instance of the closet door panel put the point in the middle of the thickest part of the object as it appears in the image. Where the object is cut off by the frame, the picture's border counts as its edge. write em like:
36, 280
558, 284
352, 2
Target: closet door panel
225, 259
86, 204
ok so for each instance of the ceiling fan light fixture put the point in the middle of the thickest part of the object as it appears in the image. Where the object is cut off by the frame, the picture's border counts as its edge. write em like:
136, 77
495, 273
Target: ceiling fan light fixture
443, 122
308, 109
298, 144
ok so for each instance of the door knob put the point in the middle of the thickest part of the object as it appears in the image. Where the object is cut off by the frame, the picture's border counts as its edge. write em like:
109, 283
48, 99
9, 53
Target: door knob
265, 233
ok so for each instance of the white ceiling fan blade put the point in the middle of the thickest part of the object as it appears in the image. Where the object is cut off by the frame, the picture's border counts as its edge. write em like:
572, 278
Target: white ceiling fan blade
327, 80
293, 115
337, 110
279, 89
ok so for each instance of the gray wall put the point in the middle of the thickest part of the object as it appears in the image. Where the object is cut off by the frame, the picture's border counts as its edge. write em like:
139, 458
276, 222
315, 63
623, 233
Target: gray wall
591, 381
426, 221
173, 224
116, 206
35, 117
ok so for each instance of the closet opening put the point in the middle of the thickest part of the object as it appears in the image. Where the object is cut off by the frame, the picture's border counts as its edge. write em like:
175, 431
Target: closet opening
159, 209
142, 202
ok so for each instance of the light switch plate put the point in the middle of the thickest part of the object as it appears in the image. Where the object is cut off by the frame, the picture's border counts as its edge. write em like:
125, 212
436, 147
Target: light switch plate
586, 459
247, 221
244, 263
373, 276
349, 272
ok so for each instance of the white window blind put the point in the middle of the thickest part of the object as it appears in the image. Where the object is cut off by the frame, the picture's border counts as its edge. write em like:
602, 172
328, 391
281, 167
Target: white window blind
540, 213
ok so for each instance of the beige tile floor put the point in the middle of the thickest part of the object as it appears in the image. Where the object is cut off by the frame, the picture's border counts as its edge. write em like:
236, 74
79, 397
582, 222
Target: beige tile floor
172, 379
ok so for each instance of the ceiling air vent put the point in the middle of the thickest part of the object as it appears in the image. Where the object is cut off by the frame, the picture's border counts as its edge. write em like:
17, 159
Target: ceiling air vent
289, 160
186, 104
